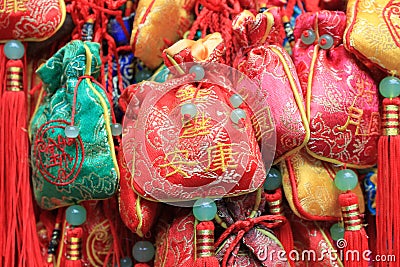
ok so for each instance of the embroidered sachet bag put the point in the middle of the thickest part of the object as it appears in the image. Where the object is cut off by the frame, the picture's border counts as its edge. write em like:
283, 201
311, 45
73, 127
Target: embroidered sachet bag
313, 244
33, 20
263, 59
157, 25
310, 189
182, 127
73, 157
341, 96
248, 239
174, 238
372, 33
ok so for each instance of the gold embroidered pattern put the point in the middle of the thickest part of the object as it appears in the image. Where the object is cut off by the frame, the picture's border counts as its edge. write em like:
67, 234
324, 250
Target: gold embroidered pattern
98, 243
220, 157
198, 126
190, 92
13, 6
179, 159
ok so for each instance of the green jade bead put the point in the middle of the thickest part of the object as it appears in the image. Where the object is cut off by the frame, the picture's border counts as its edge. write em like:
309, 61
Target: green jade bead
238, 114
389, 87
346, 180
273, 180
236, 100
116, 129
71, 131
199, 71
337, 231
188, 110
143, 251
308, 37
14, 49
204, 209
325, 41
75, 215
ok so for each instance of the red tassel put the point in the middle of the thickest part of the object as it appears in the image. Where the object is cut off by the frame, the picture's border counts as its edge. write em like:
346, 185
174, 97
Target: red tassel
74, 243
20, 244
142, 265
388, 187
356, 245
284, 232
205, 245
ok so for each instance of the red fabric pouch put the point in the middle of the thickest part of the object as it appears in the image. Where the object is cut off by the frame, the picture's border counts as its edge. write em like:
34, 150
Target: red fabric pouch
341, 96
264, 60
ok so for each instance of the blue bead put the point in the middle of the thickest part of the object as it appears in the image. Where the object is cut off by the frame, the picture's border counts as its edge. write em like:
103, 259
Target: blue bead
125, 262
143, 251
198, 35
204, 209
346, 180
274, 180
389, 87
75, 215
14, 49
199, 71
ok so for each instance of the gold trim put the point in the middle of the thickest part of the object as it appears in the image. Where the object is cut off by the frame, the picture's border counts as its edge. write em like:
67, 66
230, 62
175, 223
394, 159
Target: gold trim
204, 232
14, 69
270, 21
74, 253
201, 247
14, 89
220, 222
205, 254
103, 104
74, 246
178, 68
391, 108
276, 211
275, 203
204, 240
350, 208
74, 258
351, 214
391, 123
75, 239
391, 116
14, 83
352, 222
61, 248
334, 161
257, 203
139, 215
309, 83
300, 106
354, 227
390, 132
14, 76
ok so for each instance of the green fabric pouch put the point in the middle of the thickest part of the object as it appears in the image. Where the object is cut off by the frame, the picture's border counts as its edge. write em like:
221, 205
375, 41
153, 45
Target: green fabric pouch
68, 169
